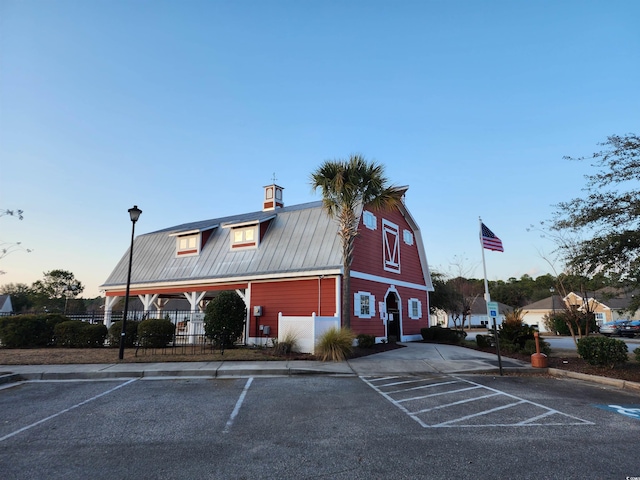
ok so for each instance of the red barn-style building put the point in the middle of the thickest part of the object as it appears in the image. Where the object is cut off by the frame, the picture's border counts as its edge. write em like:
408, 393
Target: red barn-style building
285, 261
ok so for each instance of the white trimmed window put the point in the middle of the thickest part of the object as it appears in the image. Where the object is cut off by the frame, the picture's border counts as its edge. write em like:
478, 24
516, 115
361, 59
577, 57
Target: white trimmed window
364, 305
391, 246
244, 237
370, 221
415, 309
407, 236
188, 244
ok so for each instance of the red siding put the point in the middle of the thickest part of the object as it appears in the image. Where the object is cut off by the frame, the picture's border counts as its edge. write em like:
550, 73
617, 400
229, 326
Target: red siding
368, 254
292, 298
375, 325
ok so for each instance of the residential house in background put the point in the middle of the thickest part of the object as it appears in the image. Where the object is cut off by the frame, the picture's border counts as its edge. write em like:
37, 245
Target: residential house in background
5, 305
479, 317
286, 264
606, 304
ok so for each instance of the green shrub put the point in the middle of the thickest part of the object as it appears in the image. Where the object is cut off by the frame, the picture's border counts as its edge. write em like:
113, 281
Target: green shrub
637, 354
155, 332
440, 334
366, 341
335, 344
603, 351
483, 341
26, 331
516, 334
131, 337
69, 333
79, 334
287, 344
95, 334
225, 318
508, 347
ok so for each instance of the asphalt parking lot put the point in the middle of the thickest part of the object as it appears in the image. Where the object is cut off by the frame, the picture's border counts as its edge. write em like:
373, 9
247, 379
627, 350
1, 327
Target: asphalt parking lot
431, 426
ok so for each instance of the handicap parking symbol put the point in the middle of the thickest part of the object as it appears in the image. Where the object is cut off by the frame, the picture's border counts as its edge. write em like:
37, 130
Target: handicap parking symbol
632, 411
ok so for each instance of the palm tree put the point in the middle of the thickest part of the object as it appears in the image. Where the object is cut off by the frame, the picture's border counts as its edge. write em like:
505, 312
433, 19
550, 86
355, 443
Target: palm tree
347, 186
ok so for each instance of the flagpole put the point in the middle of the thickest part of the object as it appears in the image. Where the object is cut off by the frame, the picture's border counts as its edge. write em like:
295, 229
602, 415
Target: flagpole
487, 299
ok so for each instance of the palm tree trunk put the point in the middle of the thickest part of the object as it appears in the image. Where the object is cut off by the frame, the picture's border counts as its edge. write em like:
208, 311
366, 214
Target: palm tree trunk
346, 298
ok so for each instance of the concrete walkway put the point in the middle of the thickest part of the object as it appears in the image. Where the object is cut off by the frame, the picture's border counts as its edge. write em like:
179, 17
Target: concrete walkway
414, 358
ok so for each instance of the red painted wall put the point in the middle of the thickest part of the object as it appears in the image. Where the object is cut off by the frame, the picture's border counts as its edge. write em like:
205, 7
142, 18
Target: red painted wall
369, 259
375, 325
368, 254
292, 298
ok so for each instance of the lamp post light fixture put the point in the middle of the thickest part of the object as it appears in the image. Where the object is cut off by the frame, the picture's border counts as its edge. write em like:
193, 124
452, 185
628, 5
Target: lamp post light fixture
134, 213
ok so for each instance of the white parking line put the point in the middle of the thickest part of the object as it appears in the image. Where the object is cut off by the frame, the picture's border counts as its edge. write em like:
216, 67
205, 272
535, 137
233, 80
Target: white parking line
236, 409
459, 402
428, 415
2, 439
491, 410
422, 387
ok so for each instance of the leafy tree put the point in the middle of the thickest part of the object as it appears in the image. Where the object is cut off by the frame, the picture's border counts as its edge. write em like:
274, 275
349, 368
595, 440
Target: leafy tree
347, 186
608, 216
57, 285
225, 317
443, 297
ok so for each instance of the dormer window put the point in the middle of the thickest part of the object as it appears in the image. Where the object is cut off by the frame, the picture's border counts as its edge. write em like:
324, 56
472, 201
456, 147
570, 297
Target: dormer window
188, 244
192, 242
244, 237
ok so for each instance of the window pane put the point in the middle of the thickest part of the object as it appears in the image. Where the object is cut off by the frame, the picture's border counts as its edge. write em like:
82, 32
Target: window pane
249, 235
237, 236
364, 304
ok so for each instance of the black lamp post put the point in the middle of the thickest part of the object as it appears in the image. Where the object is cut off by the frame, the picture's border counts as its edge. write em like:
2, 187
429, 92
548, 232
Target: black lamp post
134, 213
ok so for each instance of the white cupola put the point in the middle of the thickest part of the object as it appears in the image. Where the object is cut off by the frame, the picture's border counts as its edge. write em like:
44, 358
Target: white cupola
272, 197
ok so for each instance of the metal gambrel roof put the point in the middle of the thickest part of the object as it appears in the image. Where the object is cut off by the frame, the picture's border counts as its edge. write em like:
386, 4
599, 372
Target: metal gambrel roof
299, 238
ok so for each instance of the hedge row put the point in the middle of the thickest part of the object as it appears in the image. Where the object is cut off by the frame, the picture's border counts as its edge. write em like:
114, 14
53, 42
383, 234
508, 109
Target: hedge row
48, 330
28, 331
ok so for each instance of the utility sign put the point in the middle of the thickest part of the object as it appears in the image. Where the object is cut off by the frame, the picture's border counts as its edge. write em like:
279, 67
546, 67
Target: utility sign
493, 309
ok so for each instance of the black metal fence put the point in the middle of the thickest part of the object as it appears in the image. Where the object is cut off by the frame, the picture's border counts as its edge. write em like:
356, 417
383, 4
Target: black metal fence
179, 344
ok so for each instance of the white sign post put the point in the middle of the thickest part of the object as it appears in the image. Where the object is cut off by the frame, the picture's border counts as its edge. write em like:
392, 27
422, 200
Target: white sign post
492, 311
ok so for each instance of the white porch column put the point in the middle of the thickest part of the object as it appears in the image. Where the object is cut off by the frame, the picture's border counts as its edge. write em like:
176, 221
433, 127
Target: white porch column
195, 327
246, 298
109, 302
147, 300
160, 303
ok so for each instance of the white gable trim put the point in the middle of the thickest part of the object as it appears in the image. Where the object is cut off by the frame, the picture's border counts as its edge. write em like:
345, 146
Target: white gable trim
376, 278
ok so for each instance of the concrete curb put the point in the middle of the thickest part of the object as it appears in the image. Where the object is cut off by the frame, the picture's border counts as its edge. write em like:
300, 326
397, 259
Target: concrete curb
612, 382
213, 373
9, 378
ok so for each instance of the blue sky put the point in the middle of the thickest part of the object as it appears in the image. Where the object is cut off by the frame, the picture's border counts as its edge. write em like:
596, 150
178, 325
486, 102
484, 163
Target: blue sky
187, 109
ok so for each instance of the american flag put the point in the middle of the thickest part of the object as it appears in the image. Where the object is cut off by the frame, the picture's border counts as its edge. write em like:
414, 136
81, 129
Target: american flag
490, 241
